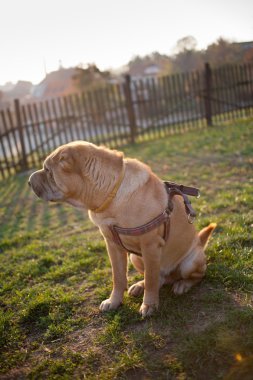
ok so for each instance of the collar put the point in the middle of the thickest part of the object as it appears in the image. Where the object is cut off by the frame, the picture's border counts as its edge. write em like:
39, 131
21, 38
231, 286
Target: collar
112, 194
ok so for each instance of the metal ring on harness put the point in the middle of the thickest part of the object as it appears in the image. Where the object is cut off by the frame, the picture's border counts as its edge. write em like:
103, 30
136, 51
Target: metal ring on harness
191, 218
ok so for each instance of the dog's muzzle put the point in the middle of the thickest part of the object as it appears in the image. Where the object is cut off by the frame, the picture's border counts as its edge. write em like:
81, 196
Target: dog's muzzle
41, 186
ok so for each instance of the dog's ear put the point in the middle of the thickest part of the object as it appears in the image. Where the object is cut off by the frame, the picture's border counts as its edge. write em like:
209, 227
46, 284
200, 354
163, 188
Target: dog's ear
66, 159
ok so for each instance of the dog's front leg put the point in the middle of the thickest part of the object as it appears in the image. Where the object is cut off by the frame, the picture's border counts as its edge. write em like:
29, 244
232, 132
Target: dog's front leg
118, 258
151, 257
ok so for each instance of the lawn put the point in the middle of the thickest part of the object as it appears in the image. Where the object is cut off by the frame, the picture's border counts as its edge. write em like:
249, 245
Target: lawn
55, 272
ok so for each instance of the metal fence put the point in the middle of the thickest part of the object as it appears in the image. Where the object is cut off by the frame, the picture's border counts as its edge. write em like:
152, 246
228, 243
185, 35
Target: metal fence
124, 113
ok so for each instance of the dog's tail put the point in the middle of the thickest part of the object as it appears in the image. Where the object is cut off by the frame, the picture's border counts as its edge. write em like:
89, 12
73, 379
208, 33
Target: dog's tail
205, 234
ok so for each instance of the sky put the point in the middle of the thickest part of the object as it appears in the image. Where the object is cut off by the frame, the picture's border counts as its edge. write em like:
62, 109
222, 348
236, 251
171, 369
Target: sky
36, 35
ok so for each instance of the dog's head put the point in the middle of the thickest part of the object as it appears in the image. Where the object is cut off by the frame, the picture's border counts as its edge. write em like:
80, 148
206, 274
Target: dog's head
76, 173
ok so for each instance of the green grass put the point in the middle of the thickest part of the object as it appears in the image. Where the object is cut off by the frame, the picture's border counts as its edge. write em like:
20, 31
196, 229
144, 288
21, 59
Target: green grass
55, 272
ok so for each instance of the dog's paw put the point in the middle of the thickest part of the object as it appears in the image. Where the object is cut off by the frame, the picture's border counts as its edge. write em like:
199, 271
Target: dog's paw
136, 289
181, 286
108, 305
147, 310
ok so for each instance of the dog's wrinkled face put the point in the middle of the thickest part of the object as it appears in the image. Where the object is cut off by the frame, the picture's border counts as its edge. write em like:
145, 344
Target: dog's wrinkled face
61, 175
78, 173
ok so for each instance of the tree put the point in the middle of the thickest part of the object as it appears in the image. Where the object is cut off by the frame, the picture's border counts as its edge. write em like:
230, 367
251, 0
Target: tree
90, 77
187, 57
187, 61
222, 52
188, 43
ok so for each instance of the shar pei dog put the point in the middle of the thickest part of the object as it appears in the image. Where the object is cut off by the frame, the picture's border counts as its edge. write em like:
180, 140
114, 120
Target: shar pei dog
136, 212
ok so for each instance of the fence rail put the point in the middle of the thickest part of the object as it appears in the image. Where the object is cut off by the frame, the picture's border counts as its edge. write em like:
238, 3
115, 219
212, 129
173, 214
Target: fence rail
124, 113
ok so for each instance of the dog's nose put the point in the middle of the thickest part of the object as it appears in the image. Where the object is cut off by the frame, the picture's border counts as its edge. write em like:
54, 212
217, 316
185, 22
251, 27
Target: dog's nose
29, 182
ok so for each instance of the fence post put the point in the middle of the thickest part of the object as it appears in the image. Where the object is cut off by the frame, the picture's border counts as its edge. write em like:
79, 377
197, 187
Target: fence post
24, 165
130, 107
208, 94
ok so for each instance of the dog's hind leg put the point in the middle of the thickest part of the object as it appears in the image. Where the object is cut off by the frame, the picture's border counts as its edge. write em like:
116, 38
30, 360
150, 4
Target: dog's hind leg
138, 288
193, 267
137, 263
192, 270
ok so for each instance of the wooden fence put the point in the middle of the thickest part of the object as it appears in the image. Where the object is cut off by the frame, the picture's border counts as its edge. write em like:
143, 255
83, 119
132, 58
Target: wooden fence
124, 113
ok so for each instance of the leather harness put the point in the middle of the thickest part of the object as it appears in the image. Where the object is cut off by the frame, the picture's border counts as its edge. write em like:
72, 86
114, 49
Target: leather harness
172, 189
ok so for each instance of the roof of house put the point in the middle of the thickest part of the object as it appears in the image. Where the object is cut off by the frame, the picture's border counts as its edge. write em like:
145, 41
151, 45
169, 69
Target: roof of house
56, 83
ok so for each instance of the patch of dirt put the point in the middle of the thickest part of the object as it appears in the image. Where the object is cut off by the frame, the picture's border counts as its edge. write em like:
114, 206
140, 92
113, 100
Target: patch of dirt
82, 340
15, 373
137, 374
204, 320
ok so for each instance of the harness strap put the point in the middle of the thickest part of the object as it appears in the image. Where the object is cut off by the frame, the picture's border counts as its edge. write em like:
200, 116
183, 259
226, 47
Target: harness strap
136, 231
163, 218
187, 190
173, 188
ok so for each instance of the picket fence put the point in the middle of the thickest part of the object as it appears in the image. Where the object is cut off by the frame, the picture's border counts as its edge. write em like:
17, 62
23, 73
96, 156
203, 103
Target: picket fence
123, 113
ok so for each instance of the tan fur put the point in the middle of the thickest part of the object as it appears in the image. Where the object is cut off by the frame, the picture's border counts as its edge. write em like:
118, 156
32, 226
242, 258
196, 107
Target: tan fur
83, 175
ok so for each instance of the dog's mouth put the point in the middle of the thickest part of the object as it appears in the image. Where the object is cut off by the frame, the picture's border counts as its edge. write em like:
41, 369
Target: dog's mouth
44, 189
